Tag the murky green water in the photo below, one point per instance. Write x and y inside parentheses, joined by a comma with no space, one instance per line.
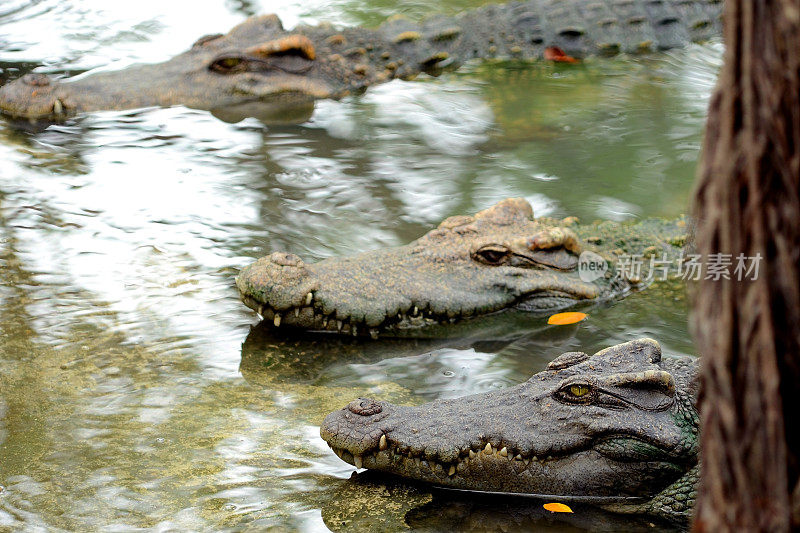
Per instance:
(133,391)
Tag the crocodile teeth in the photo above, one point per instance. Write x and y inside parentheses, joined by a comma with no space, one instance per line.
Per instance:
(452,470)
(339,325)
(534,458)
(358,461)
(416,311)
(382,443)
(261,310)
(503,452)
(58,107)
(325,322)
(296,312)
(309,298)
(373,333)
(277,320)
(518,457)
(488,448)
(472,454)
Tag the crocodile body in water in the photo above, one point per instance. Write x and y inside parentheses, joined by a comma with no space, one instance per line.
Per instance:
(498,259)
(259,62)
(619,428)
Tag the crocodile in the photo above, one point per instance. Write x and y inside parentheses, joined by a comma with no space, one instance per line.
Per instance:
(260,62)
(618,429)
(500,258)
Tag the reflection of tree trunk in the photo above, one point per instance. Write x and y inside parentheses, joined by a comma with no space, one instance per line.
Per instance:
(749,332)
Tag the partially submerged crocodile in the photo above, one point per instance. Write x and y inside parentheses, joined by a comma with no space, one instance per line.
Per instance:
(260,61)
(619,428)
(498,259)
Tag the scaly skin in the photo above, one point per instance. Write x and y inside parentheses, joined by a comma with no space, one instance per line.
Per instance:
(621,424)
(469,266)
(260,62)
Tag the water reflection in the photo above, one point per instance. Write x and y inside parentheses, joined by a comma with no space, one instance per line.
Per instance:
(372,502)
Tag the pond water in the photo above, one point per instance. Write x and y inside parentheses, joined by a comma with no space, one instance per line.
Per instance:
(134,391)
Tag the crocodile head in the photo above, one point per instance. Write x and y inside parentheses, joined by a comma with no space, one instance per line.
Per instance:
(619,424)
(256,61)
(468,266)
(259,68)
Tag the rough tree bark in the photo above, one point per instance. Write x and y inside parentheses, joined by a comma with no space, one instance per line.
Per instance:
(747,201)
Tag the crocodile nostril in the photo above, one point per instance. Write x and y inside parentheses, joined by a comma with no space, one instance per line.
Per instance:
(286,259)
(364,407)
(36,80)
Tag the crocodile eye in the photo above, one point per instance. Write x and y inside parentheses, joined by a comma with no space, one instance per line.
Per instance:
(579,390)
(492,254)
(227,64)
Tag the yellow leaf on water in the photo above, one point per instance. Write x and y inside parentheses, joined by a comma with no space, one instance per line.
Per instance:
(557,508)
(562,319)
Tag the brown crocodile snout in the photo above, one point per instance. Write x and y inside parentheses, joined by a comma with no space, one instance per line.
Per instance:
(281,279)
(34,95)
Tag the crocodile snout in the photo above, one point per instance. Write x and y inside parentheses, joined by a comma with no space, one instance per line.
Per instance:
(35,96)
(277,283)
(358,428)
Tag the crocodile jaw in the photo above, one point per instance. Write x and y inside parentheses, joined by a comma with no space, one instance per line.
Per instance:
(323,297)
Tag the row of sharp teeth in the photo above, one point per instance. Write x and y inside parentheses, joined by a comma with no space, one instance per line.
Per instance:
(449,469)
(414,318)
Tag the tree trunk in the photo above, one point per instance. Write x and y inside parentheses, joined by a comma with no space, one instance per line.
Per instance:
(747,202)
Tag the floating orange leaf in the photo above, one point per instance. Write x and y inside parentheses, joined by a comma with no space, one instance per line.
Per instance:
(563,319)
(557,508)
(554,53)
